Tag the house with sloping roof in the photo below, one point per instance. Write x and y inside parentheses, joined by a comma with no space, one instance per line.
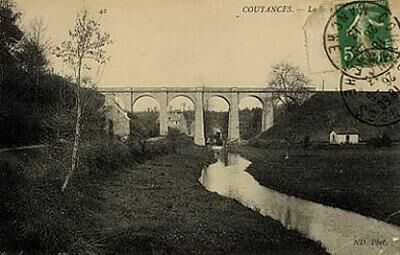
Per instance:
(344,136)
(117,119)
(178,121)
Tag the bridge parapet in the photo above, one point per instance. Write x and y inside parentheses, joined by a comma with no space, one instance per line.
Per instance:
(192,89)
(195,89)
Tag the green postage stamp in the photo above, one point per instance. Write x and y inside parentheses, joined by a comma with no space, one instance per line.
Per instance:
(359,36)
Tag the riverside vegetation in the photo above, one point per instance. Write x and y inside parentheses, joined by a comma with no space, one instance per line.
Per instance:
(363,178)
(122,202)
(356,178)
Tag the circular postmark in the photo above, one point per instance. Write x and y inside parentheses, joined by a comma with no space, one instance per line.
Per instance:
(374,101)
(361,39)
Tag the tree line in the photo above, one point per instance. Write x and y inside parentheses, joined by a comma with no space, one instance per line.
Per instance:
(38,106)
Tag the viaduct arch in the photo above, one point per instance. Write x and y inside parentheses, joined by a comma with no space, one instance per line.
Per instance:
(199,96)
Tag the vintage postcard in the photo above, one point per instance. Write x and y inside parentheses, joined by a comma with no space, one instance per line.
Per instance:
(200,127)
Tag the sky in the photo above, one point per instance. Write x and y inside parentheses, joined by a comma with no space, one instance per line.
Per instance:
(185,42)
(214,43)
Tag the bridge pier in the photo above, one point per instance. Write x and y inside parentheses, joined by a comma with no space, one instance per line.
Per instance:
(199,138)
(267,116)
(233,127)
(163,101)
(125,101)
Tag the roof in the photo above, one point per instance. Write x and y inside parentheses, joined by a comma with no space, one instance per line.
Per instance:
(175,116)
(110,102)
(345,130)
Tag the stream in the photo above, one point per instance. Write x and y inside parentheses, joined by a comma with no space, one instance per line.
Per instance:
(339,231)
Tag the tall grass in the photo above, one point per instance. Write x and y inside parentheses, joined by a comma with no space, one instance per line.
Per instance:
(37,218)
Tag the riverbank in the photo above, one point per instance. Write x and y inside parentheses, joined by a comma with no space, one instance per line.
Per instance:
(122,202)
(359,179)
(160,207)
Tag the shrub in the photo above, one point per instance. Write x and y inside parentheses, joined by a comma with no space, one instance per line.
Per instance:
(36,217)
(11,181)
(268,144)
(104,158)
(157,148)
(383,141)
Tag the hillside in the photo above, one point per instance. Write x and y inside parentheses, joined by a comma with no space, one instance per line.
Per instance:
(316,118)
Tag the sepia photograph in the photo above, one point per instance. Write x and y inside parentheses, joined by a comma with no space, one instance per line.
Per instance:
(203,127)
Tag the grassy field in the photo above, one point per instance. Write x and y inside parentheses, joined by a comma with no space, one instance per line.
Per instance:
(358,178)
(156,206)
(160,207)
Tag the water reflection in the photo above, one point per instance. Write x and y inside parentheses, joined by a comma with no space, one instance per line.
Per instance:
(340,231)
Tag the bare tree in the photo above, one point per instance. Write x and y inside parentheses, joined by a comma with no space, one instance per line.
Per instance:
(86,45)
(33,50)
(291,83)
(292,89)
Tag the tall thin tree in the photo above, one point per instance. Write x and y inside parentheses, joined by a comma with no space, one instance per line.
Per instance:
(86,45)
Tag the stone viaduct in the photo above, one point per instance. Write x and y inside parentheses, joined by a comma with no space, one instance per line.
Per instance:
(199,97)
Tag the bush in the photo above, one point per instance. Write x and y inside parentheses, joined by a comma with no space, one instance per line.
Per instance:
(157,148)
(104,158)
(383,141)
(268,144)
(36,217)
(11,181)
